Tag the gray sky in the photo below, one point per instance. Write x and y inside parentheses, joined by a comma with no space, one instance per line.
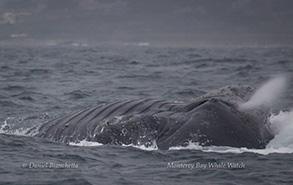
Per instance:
(159,22)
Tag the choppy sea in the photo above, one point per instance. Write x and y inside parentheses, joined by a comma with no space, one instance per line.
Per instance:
(41,83)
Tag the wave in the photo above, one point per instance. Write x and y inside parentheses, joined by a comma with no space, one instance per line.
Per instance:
(77,94)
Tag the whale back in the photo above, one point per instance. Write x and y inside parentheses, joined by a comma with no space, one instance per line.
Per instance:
(234,94)
(211,119)
(85,123)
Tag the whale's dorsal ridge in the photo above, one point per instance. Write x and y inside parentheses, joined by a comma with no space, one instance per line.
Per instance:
(232,94)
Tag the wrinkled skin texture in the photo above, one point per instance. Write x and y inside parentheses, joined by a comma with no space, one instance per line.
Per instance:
(214,119)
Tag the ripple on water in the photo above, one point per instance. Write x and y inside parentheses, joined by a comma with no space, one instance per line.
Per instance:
(77,94)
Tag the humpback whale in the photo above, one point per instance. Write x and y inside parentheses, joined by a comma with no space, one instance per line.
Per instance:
(213,119)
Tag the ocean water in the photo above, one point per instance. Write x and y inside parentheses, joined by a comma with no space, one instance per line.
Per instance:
(41,83)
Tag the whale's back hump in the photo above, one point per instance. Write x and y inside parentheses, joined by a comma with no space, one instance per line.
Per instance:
(83,124)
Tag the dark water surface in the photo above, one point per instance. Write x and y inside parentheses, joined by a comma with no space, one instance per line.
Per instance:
(41,83)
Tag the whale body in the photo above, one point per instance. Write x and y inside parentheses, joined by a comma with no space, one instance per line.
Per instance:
(214,119)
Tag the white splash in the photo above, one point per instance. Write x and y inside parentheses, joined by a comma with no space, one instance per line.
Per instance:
(282,126)
(267,94)
(7,127)
(85,143)
(143,147)
(227,149)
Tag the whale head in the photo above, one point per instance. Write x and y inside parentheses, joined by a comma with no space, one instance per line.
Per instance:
(217,119)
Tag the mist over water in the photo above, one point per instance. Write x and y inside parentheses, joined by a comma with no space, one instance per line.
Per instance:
(268,94)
